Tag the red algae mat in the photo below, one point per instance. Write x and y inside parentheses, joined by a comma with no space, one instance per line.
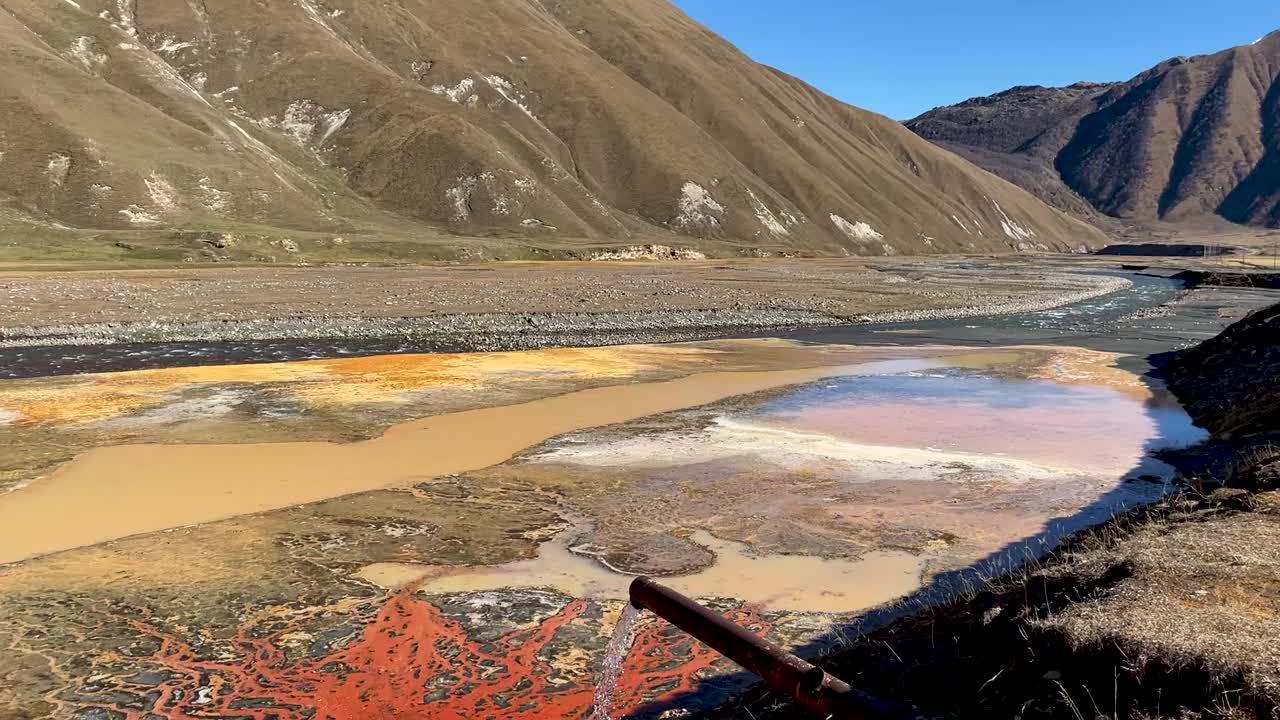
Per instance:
(411,661)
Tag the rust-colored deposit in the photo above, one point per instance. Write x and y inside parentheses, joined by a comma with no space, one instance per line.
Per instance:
(411,661)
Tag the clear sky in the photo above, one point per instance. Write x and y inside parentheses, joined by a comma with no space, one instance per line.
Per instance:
(902,57)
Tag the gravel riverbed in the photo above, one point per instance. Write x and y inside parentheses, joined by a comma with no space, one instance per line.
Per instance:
(515,307)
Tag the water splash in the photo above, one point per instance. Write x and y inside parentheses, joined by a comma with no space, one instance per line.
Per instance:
(615,656)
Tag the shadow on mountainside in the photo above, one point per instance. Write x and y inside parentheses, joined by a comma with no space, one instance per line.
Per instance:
(1241,205)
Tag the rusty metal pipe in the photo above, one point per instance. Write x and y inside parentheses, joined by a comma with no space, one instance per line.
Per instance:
(810,686)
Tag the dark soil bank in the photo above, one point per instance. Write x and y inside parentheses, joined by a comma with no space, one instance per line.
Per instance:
(1231,385)
(1164,250)
(1198,278)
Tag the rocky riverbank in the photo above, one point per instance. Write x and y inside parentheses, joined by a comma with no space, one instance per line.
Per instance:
(519,307)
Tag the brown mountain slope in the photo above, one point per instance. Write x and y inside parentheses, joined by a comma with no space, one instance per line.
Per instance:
(540,127)
(1191,137)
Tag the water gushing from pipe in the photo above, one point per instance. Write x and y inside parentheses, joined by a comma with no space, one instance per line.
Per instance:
(619,648)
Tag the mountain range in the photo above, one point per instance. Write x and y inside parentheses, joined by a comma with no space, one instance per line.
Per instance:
(1192,138)
(464,129)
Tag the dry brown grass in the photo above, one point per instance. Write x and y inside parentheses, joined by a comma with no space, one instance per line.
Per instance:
(1258,469)
(1203,592)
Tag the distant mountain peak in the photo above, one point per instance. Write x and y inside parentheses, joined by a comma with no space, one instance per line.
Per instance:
(1191,137)
(1273,35)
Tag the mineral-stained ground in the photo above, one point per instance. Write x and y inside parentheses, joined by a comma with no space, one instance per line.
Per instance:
(264,617)
(426,599)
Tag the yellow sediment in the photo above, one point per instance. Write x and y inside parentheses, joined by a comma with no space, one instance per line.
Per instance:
(777,582)
(386,378)
(113,492)
(335,382)
(80,399)
(1080,366)
(232,554)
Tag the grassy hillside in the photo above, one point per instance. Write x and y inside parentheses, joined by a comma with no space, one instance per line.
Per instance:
(347,129)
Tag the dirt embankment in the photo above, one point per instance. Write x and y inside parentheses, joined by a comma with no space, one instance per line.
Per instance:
(1229,278)
(1231,384)
(1171,611)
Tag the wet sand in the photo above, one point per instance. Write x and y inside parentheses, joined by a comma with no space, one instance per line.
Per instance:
(114,492)
(796,583)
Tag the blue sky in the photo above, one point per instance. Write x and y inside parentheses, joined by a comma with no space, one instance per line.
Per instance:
(902,57)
